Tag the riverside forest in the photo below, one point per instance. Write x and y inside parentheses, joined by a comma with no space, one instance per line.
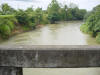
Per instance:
(15,21)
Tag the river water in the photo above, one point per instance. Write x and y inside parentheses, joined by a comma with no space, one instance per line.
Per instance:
(62,33)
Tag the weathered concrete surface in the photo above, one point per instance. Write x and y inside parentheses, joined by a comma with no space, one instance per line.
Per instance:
(49,47)
(50,56)
(10,71)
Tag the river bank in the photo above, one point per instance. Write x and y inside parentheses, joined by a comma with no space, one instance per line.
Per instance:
(63,33)
(20,30)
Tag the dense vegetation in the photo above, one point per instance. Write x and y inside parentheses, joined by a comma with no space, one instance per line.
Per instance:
(92,23)
(12,20)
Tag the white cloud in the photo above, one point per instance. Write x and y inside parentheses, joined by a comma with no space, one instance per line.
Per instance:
(23,4)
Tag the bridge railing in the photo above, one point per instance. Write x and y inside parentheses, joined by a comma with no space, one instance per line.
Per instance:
(14,58)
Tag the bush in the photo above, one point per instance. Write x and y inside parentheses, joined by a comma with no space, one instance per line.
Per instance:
(53,17)
(25,19)
(84,28)
(22,17)
(7,25)
(92,23)
(45,19)
(98,38)
(6,9)
(5,31)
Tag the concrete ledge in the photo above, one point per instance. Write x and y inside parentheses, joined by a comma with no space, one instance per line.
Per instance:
(49,47)
(10,71)
(50,56)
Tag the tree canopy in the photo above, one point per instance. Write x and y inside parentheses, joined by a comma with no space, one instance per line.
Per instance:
(92,23)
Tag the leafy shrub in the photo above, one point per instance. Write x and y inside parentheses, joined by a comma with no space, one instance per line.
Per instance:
(92,23)
(45,19)
(6,9)
(7,25)
(53,17)
(5,31)
(84,28)
(24,19)
(98,38)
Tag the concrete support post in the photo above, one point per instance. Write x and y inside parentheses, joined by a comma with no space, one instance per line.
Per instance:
(10,71)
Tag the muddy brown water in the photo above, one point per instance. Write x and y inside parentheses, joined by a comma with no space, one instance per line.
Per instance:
(63,33)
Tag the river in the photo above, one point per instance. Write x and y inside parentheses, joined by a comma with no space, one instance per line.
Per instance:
(62,33)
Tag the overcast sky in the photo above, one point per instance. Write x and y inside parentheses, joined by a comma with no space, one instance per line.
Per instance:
(23,4)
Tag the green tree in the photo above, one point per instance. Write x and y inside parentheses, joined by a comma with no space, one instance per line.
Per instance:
(29,10)
(38,15)
(63,13)
(7,25)
(69,14)
(25,19)
(92,23)
(53,11)
(6,9)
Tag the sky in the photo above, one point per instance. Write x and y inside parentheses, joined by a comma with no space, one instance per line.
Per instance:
(23,4)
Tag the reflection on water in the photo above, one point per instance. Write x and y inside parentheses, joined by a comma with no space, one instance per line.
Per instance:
(64,71)
(63,33)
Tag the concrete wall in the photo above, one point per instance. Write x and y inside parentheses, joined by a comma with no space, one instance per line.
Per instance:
(43,57)
(10,71)
(14,58)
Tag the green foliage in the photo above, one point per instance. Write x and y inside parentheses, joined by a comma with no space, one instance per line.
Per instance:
(44,19)
(53,17)
(97,26)
(7,24)
(63,13)
(75,13)
(38,15)
(53,11)
(98,38)
(53,7)
(81,14)
(25,28)
(8,17)
(87,15)
(6,9)
(24,19)
(29,10)
(84,28)
(9,20)
(93,23)
(5,31)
